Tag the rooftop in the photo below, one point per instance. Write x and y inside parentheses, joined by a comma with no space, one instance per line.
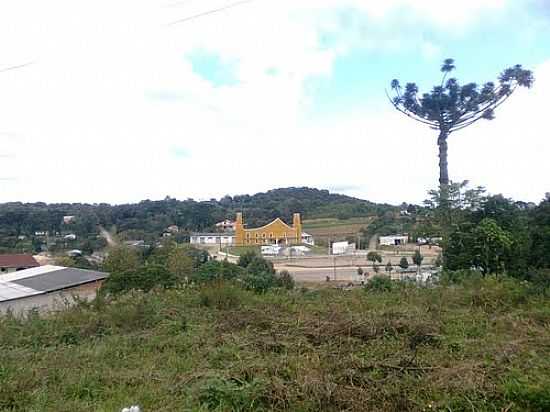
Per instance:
(44,279)
(17,261)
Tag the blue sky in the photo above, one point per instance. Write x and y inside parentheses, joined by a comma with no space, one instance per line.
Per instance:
(267,94)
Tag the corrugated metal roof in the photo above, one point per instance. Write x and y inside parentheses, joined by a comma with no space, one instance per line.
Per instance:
(61,279)
(44,279)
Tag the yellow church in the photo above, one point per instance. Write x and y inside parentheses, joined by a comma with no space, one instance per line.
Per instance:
(274,233)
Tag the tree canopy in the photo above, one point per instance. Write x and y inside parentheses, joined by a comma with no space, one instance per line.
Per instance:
(451,106)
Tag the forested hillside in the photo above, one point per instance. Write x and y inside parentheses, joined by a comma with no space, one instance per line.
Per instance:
(148,219)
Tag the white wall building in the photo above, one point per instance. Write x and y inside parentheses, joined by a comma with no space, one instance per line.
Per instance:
(393,240)
(343,248)
(225,225)
(212,239)
(308,239)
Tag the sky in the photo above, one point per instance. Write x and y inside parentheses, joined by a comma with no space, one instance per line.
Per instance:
(127,100)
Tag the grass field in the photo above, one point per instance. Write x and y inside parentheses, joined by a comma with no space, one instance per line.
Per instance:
(482,346)
(323,229)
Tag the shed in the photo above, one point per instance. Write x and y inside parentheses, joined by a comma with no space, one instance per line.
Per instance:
(45,287)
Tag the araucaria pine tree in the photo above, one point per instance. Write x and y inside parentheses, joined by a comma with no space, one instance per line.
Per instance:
(451,107)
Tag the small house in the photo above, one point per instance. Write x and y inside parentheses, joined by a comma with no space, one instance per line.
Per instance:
(14,263)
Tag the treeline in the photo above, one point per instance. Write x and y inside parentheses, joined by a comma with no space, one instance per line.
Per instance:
(490,234)
(147,220)
(173,265)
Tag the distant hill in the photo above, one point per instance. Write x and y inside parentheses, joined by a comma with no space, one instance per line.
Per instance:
(19,222)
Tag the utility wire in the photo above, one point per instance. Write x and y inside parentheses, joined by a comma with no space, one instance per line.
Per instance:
(209,12)
(20,66)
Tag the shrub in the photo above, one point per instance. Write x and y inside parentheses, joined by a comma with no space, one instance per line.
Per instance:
(540,281)
(260,282)
(527,396)
(246,258)
(259,265)
(380,284)
(144,278)
(121,259)
(459,276)
(221,295)
(285,280)
(215,270)
(233,395)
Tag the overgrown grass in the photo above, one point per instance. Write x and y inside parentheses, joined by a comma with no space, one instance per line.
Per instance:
(482,345)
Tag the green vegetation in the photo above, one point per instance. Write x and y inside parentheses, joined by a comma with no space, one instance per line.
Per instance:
(417,258)
(481,344)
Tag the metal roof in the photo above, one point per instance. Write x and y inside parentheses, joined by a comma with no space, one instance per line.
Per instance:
(44,279)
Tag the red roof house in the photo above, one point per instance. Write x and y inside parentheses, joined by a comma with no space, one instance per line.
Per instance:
(13,263)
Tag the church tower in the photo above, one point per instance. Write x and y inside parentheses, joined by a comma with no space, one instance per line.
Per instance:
(297,225)
(239,230)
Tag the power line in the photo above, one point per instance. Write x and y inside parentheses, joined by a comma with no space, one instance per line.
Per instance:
(209,12)
(20,66)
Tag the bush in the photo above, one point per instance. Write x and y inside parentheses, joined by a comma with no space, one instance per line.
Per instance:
(144,278)
(540,281)
(459,276)
(285,280)
(258,265)
(221,295)
(260,282)
(380,284)
(215,270)
(221,394)
(527,396)
(121,259)
(246,258)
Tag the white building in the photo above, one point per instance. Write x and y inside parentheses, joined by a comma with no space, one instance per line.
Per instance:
(308,239)
(393,240)
(225,225)
(212,239)
(343,248)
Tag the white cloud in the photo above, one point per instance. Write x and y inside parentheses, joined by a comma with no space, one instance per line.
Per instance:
(112,99)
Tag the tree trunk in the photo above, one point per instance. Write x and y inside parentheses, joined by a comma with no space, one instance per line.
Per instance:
(445,207)
(443,168)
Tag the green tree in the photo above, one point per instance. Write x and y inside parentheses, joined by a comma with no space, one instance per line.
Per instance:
(121,259)
(450,107)
(492,243)
(374,257)
(360,271)
(403,263)
(179,263)
(417,258)
(247,257)
(539,228)
(143,278)
(389,267)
